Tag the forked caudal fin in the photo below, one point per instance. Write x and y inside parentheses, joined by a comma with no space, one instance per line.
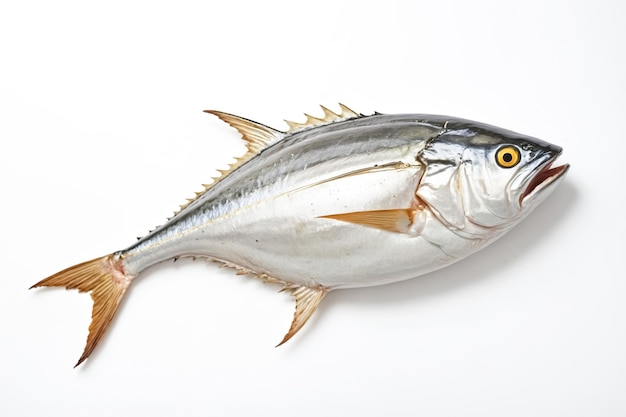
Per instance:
(104,278)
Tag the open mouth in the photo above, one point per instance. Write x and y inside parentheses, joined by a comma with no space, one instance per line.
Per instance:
(542,179)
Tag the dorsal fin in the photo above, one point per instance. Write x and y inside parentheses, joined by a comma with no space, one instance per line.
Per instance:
(328,118)
(257,135)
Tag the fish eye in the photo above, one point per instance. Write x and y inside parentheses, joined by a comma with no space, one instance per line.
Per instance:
(507,156)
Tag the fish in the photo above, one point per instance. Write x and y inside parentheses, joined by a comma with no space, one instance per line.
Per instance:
(344,200)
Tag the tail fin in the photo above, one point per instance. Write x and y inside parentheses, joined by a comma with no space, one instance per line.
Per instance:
(105,279)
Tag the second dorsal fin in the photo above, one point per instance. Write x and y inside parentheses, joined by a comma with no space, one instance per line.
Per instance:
(257,135)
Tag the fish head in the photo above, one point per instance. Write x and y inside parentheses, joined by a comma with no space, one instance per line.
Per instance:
(479,177)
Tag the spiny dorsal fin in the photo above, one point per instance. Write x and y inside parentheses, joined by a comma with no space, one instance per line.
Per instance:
(259,136)
(329,117)
(307,300)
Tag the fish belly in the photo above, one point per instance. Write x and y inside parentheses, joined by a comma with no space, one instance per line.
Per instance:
(284,237)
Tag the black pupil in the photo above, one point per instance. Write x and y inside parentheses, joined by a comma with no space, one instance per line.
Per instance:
(507,157)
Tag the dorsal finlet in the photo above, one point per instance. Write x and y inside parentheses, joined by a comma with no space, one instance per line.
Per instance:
(329,117)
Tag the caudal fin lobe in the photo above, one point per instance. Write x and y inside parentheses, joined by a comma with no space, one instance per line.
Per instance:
(104,278)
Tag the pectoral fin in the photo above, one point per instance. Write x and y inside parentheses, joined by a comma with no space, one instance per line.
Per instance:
(307,300)
(409,220)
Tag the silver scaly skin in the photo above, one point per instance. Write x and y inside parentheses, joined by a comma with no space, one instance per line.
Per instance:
(341,201)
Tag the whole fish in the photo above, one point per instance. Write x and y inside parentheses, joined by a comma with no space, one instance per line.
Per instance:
(344,200)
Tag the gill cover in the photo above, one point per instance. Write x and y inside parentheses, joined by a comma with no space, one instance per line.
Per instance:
(477,175)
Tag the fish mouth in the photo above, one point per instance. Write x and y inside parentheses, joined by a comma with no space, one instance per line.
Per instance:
(545,176)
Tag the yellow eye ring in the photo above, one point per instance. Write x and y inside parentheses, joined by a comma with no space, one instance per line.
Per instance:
(507,156)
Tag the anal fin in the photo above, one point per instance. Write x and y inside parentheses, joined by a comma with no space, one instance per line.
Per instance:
(307,300)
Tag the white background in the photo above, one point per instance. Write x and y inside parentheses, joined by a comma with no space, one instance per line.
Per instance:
(103,136)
